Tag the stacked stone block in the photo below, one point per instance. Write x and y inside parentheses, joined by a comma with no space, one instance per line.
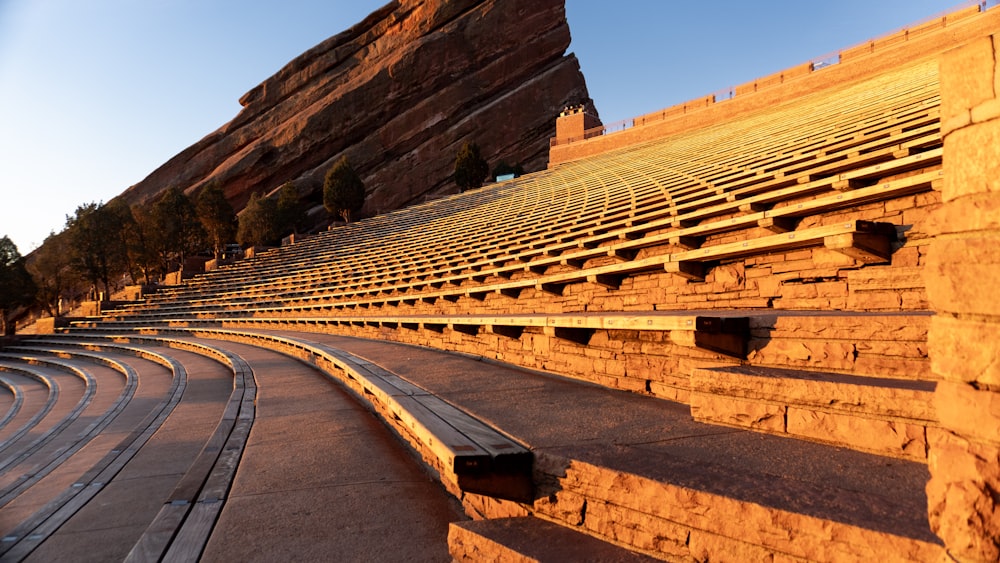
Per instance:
(962,276)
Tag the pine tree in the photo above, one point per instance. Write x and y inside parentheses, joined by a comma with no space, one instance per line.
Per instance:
(257,222)
(49,267)
(217,217)
(95,244)
(343,190)
(471,169)
(291,212)
(177,231)
(16,286)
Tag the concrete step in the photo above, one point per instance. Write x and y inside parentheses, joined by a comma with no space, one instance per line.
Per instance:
(530,540)
(883,416)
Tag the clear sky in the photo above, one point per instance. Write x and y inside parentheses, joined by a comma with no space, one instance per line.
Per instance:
(95,94)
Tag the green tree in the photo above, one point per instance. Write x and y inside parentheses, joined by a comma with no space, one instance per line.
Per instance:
(291,212)
(343,190)
(16,286)
(503,168)
(257,222)
(96,253)
(142,249)
(49,267)
(176,230)
(123,227)
(471,168)
(217,217)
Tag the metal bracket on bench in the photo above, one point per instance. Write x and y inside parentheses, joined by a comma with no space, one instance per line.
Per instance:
(553,288)
(610,281)
(471,330)
(778,224)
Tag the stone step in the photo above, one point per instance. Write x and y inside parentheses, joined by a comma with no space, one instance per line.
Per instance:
(883,416)
(531,540)
(691,508)
(882,345)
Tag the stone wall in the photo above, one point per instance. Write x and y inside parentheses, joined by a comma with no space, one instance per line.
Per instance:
(962,276)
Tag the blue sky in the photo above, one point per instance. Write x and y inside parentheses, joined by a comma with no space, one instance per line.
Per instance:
(95,95)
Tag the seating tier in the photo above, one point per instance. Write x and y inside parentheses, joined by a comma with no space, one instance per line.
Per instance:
(761,186)
(761,277)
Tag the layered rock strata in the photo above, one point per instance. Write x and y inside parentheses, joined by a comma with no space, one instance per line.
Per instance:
(398,94)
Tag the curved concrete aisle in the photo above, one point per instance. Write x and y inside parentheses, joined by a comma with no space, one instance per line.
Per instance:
(36,398)
(80,403)
(322,479)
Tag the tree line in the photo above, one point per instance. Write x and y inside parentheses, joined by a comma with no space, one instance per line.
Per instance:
(106,245)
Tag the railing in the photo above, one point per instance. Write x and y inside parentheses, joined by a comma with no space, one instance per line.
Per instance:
(817,63)
(826,60)
(724,94)
(610,128)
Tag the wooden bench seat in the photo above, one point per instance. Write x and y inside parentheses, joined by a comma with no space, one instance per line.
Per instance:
(900,165)
(508,243)
(719,331)
(860,195)
(478,267)
(860,240)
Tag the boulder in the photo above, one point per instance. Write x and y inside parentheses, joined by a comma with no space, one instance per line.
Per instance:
(398,93)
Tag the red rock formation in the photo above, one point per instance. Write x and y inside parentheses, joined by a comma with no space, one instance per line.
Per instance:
(398,93)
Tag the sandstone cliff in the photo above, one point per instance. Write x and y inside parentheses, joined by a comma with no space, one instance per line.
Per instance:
(398,93)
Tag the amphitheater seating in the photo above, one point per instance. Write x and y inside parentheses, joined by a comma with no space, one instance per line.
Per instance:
(70,450)
(753,284)
(567,216)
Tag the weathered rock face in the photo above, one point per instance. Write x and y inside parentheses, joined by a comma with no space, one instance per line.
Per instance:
(398,94)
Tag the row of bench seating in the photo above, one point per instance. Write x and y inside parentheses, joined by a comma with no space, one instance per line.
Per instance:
(62,433)
(529,261)
(628,225)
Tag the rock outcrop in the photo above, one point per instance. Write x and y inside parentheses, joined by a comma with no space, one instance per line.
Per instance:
(398,94)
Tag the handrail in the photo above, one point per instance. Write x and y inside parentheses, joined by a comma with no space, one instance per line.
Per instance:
(814,64)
